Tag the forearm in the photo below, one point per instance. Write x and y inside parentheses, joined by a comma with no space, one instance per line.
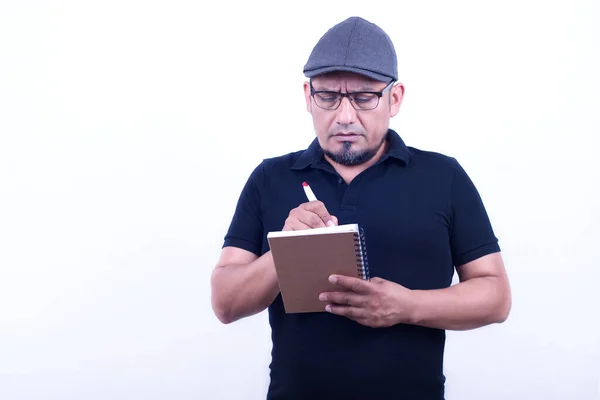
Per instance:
(466,305)
(240,290)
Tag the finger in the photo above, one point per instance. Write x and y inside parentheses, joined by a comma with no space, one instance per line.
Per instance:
(356,314)
(318,208)
(343,298)
(301,218)
(354,284)
(335,220)
(311,219)
(293,224)
(378,280)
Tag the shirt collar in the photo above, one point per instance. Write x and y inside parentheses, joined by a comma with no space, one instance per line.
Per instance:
(313,155)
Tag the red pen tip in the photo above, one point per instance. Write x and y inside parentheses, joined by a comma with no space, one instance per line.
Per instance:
(304,184)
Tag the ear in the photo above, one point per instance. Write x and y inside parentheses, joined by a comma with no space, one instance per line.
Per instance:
(307,97)
(396,94)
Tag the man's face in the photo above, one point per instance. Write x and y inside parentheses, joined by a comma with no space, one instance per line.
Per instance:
(347,135)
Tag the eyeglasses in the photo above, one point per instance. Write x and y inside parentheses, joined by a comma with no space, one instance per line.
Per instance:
(363,101)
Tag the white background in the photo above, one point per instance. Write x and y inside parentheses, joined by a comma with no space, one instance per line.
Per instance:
(128,128)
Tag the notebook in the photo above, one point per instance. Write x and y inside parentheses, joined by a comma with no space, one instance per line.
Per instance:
(304,259)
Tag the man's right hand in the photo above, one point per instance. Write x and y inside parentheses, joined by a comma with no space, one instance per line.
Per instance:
(309,215)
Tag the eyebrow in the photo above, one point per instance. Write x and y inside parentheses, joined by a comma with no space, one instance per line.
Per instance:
(363,88)
(367,87)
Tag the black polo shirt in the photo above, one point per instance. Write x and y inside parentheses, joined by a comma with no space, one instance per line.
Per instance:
(421,215)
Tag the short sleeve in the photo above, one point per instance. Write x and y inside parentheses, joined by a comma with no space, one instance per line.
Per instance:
(246,228)
(472,235)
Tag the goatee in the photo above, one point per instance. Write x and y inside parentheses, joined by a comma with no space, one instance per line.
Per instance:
(349,157)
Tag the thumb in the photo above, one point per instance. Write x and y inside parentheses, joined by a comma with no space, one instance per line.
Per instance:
(334,219)
(378,280)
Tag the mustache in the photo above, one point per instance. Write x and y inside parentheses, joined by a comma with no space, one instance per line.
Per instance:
(346,129)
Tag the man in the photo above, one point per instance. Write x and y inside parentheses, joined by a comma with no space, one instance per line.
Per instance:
(423,217)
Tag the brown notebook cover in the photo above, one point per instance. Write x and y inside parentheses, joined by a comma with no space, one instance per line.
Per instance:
(305,259)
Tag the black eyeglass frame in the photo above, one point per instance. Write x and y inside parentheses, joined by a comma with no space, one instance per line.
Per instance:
(349,95)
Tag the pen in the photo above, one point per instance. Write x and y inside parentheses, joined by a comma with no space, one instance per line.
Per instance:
(311,197)
(309,193)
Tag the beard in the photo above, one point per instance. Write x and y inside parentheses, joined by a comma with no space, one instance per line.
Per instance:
(349,157)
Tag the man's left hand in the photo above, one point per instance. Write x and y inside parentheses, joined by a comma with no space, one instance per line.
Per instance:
(376,303)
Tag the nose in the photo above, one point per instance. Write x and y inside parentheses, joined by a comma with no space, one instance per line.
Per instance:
(346,114)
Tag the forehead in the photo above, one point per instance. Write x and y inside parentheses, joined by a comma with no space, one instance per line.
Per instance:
(336,80)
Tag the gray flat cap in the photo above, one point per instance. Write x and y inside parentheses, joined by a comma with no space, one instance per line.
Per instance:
(354,45)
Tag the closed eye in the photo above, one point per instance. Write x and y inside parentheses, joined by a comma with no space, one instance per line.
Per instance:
(328,96)
(363,97)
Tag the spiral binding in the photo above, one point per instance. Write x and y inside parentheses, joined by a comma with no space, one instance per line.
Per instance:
(360,248)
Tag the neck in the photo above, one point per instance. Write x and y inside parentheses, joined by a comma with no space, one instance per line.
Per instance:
(349,172)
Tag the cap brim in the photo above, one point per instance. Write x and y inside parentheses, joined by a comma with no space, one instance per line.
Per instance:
(343,68)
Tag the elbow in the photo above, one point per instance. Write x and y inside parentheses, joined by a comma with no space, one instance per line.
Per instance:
(503,301)
(222,310)
(220,307)
(230,311)
(503,309)
(222,315)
